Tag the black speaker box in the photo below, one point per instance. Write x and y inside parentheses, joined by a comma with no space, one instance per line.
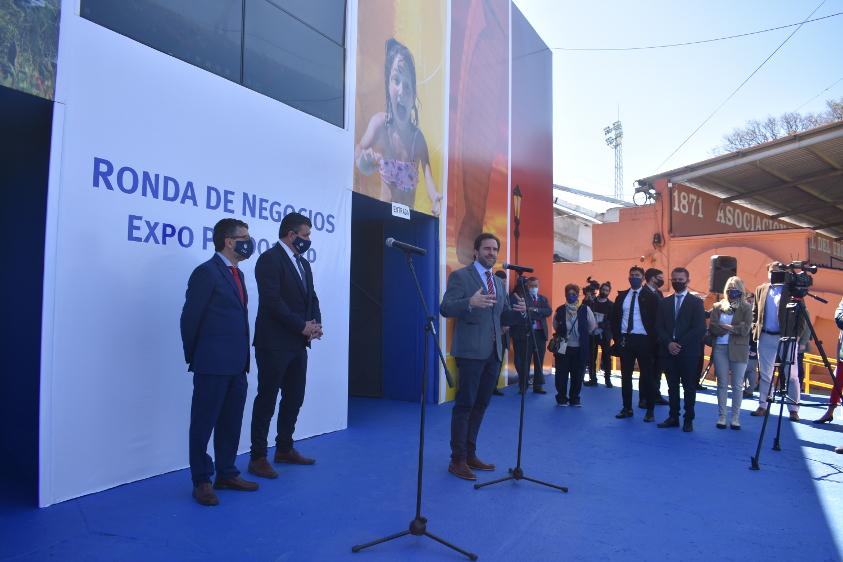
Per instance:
(722,267)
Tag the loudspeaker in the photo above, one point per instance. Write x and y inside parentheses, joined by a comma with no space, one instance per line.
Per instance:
(722,267)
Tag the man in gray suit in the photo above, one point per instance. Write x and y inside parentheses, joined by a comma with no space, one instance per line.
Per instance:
(478,301)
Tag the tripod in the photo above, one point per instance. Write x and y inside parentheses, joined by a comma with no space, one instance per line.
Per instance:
(517,473)
(786,351)
(418,526)
(705,374)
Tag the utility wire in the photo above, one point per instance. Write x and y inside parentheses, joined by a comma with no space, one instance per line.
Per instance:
(736,90)
(696,42)
(668,45)
(819,94)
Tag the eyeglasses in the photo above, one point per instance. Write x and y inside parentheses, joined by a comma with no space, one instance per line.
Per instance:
(244,237)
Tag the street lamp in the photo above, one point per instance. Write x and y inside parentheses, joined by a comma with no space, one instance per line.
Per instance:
(516,209)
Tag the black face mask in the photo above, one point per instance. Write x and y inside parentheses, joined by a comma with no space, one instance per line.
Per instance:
(301,245)
(679,286)
(245,248)
(659,283)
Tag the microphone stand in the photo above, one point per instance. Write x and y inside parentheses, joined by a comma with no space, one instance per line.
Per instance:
(517,473)
(418,526)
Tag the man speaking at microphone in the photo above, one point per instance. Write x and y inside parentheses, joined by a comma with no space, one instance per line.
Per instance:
(477,300)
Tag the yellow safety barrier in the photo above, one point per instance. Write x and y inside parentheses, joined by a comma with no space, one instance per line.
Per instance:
(810,361)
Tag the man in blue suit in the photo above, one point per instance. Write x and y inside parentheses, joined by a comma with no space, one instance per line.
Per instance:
(215,336)
(477,300)
(288,319)
(681,326)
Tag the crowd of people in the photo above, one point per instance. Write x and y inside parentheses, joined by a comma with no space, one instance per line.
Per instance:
(667,336)
(660,334)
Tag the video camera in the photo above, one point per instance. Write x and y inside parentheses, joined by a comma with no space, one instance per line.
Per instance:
(796,275)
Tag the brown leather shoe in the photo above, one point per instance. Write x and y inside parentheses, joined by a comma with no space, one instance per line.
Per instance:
(292,457)
(205,495)
(477,464)
(760,412)
(261,467)
(461,470)
(235,483)
(794,416)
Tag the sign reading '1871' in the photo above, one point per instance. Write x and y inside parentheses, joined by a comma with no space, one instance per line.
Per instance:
(694,212)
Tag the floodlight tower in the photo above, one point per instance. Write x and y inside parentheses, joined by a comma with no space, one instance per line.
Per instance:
(614,139)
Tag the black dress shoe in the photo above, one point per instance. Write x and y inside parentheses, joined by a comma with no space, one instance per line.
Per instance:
(590,382)
(669,422)
(688,426)
(660,401)
(497,392)
(539,390)
(624,414)
(609,383)
(649,417)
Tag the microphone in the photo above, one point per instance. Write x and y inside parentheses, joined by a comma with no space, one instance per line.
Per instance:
(409,248)
(518,268)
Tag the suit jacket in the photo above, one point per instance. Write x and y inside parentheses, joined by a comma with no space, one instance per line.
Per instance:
(285,303)
(474,337)
(689,324)
(648,305)
(214,322)
(741,325)
(759,312)
(541,314)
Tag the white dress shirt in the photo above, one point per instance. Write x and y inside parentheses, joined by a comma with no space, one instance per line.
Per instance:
(637,323)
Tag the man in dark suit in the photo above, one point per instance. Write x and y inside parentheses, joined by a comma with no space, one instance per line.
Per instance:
(634,334)
(477,300)
(288,320)
(654,280)
(681,327)
(215,336)
(526,356)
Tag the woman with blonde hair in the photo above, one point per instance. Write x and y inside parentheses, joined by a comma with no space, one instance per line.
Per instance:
(730,325)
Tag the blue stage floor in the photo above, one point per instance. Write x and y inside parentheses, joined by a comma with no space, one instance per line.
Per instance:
(636,493)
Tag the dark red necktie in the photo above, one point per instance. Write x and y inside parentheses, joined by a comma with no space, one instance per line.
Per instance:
(490,285)
(239,285)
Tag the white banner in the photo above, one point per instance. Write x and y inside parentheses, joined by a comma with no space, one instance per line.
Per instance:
(150,154)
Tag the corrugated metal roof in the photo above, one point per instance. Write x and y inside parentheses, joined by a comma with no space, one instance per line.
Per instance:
(798,178)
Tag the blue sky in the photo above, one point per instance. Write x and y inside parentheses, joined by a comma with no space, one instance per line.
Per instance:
(664,94)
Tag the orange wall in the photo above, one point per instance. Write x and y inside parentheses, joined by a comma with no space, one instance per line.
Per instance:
(619,246)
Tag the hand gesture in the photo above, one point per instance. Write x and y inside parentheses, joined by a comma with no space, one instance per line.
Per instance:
(369,160)
(727,327)
(520,305)
(481,300)
(317,333)
(674,348)
(309,328)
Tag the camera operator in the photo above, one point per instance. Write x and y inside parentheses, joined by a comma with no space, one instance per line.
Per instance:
(602,337)
(768,317)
